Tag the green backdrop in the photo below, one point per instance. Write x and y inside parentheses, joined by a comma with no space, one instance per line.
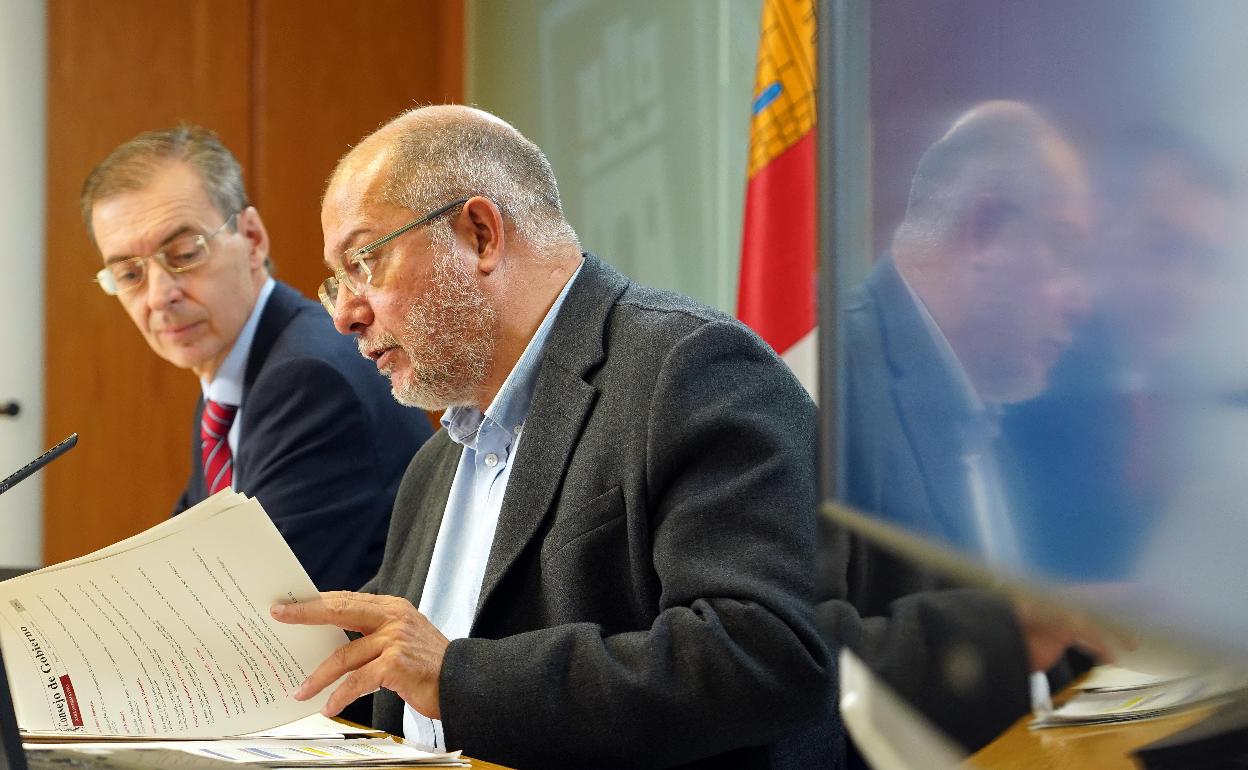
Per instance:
(643,109)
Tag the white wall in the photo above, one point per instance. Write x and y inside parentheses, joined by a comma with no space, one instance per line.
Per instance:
(23,82)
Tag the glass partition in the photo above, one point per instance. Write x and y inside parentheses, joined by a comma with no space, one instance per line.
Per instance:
(1039,360)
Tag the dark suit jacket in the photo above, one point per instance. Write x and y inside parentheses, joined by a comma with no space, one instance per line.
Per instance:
(1103,461)
(322,445)
(906,416)
(903,461)
(647,596)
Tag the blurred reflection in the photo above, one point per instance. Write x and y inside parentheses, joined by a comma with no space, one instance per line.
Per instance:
(983,290)
(1099,448)
(1047,367)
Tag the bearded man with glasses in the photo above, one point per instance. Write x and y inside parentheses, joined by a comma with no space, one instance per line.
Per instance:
(290,413)
(610,563)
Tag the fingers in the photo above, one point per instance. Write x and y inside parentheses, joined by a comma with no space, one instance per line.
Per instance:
(346,658)
(344,609)
(1096,647)
(1104,642)
(1049,630)
(400,650)
(362,681)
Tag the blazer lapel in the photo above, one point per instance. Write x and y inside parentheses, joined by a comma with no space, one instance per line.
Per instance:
(562,400)
(929,403)
(435,490)
(282,306)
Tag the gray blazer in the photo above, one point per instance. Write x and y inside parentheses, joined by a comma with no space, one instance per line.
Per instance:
(647,597)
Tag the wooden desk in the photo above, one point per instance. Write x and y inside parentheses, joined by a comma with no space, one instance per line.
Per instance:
(1103,747)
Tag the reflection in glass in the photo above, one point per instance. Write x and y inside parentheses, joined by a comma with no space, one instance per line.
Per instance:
(1045,366)
(982,291)
(1099,446)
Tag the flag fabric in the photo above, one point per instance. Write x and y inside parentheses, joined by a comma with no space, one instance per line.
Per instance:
(776,294)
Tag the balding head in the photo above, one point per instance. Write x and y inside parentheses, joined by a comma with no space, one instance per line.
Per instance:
(457,218)
(429,156)
(999,150)
(993,243)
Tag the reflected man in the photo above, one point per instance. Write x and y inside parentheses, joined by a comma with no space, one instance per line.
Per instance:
(981,293)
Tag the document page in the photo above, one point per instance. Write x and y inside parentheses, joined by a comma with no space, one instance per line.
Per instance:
(313,728)
(170,636)
(223,500)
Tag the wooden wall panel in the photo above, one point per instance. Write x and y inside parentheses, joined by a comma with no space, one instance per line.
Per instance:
(115,70)
(326,76)
(288,85)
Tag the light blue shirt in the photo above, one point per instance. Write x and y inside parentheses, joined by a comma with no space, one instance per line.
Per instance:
(490,442)
(226,386)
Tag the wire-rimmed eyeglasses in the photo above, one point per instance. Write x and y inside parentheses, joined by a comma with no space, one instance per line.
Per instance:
(183,253)
(354,271)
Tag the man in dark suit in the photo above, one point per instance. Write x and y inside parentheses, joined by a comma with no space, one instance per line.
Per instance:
(609,564)
(290,413)
(980,295)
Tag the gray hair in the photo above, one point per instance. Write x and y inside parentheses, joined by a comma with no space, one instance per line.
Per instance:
(131,166)
(442,154)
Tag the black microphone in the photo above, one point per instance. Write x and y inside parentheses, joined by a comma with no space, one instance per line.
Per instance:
(39,462)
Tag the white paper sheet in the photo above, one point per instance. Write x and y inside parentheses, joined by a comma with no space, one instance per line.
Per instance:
(1144,702)
(166,634)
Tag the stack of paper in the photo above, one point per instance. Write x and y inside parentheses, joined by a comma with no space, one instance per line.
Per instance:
(166,633)
(311,741)
(165,639)
(276,752)
(1119,695)
(315,727)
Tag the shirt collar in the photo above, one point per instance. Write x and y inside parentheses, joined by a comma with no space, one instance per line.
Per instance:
(226,386)
(510,406)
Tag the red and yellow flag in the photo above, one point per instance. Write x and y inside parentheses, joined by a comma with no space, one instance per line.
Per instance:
(776,295)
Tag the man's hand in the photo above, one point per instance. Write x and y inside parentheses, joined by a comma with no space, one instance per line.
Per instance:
(400,650)
(1049,630)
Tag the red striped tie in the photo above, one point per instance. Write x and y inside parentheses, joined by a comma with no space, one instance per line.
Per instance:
(214,430)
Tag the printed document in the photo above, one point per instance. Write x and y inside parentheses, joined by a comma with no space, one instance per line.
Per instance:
(166,633)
